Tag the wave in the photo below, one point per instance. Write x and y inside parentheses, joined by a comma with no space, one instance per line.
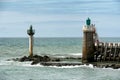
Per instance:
(110,68)
(28,64)
(77,66)
(74,55)
(16,63)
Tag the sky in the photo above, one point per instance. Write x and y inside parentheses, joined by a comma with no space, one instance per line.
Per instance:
(58,18)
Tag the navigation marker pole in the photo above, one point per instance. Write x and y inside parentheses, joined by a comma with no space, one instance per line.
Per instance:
(30,32)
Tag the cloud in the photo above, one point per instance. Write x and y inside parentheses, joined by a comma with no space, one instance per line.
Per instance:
(54,16)
(16,17)
(9,0)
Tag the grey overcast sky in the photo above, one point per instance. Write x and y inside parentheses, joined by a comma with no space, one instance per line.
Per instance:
(58,18)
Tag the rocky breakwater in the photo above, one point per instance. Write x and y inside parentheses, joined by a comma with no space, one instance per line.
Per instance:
(66,61)
(50,60)
(36,59)
(114,65)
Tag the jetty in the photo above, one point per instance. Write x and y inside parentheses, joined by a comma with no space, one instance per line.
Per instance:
(95,52)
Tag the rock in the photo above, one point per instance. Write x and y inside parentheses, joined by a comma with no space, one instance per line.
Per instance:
(59,64)
(23,59)
(37,59)
(46,58)
(15,59)
(35,62)
(56,60)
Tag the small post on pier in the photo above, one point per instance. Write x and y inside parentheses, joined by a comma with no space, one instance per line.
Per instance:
(88,48)
(30,32)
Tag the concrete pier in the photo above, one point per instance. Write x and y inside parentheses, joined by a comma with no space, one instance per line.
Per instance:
(30,32)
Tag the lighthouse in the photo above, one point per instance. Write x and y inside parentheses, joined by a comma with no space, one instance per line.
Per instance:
(88,48)
(30,32)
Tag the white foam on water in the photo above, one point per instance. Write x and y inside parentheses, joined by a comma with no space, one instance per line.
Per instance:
(16,63)
(111,68)
(10,63)
(76,54)
(89,66)
(65,66)
(67,55)
(28,64)
(6,62)
(76,66)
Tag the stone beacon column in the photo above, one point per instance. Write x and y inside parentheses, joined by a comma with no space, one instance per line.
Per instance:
(30,32)
(88,42)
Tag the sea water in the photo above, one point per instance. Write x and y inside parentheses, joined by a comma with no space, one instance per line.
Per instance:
(18,47)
